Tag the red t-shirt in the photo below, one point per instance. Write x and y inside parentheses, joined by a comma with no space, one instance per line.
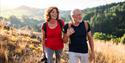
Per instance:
(54,37)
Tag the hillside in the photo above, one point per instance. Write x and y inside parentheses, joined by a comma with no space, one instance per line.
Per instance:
(22,11)
(35,13)
(109,19)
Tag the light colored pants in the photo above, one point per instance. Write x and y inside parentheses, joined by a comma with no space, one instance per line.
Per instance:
(49,54)
(73,57)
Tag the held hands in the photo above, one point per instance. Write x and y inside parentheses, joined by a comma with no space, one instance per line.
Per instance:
(43,43)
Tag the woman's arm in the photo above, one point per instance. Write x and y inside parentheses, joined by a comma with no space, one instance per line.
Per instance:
(43,37)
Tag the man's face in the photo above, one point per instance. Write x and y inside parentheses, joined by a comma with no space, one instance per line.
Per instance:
(77,16)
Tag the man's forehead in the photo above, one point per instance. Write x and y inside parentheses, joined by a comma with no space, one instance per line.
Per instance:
(77,11)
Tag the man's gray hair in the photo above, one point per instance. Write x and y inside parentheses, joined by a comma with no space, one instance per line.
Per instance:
(73,11)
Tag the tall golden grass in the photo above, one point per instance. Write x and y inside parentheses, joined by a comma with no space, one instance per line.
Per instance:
(18,48)
(107,52)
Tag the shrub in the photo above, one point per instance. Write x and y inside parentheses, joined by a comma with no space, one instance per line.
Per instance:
(98,35)
(116,40)
(123,39)
(103,36)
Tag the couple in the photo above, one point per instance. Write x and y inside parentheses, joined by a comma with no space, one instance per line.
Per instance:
(76,31)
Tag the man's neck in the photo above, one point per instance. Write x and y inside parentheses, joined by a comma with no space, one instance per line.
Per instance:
(76,23)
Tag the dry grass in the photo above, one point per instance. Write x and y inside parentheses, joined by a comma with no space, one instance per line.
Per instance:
(107,52)
(18,48)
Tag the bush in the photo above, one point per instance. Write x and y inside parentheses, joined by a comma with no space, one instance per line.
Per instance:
(103,36)
(123,39)
(99,36)
(116,40)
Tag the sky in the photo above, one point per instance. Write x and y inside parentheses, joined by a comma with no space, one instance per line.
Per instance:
(61,4)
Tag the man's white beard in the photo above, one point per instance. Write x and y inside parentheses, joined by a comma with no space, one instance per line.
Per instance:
(81,20)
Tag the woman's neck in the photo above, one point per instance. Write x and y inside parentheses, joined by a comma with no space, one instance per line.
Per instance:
(52,21)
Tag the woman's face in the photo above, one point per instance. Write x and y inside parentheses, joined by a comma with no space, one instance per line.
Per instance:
(53,14)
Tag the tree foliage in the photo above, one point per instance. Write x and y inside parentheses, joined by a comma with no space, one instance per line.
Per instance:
(109,19)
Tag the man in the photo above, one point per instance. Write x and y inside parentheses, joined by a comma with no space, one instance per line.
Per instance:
(77,31)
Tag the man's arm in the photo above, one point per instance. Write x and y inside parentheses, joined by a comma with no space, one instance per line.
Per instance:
(91,43)
(66,35)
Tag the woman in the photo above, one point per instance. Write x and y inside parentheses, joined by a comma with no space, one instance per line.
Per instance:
(52,36)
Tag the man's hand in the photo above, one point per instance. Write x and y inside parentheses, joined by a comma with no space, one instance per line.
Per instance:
(70,31)
(92,57)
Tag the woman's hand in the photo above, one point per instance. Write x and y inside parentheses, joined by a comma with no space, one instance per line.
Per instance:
(43,42)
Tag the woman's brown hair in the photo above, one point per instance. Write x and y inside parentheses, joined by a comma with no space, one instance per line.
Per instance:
(48,11)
